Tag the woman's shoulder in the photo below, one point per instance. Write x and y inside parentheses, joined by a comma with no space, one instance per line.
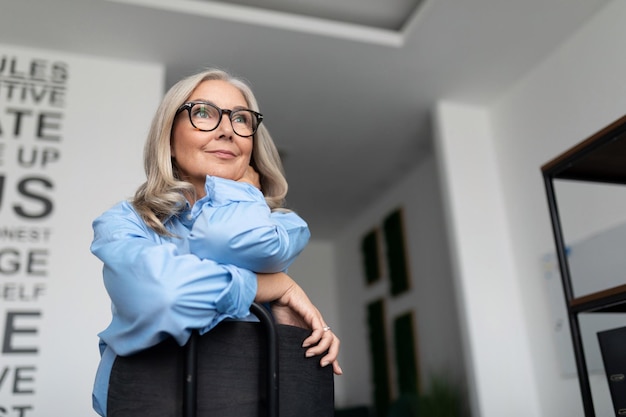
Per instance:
(120,214)
(122,208)
(119,224)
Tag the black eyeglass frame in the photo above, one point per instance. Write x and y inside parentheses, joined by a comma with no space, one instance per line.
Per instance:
(189,105)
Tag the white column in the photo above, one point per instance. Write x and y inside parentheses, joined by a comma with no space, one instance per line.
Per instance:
(500,376)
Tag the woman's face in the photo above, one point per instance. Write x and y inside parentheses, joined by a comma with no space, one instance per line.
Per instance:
(220,152)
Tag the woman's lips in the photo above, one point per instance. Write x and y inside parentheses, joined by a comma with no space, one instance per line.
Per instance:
(221,153)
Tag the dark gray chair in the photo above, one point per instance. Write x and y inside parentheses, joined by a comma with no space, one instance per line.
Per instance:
(238,369)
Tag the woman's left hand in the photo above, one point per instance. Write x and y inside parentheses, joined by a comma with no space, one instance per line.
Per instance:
(322,339)
(291,306)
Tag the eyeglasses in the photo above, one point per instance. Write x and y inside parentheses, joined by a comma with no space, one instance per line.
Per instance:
(206,117)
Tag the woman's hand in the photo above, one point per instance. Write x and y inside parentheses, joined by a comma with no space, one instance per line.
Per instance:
(290,305)
(251,177)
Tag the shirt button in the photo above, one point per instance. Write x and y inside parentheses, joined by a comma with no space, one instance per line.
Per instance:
(189,217)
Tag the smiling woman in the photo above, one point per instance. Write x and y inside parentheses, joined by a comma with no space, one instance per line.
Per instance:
(202,145)
(203,238)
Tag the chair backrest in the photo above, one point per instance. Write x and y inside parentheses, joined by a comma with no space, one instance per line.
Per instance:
(232,371)
(191,365)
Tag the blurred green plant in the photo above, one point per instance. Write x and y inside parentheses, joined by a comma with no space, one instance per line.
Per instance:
(442,399)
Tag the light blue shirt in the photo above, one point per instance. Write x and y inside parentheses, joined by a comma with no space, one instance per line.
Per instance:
(163,286)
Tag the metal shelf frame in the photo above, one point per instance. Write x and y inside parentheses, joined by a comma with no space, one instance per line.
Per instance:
(600,158)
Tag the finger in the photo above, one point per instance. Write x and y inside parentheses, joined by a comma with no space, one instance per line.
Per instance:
(331,355)
(317,334)
(337,369)
(324,344)
(314,339)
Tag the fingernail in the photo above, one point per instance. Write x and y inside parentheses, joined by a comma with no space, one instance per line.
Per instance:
(309,354)
(325,363)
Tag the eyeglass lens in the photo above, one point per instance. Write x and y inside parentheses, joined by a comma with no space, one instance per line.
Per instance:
(205,116)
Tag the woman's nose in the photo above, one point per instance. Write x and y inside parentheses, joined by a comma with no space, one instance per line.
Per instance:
(225,127)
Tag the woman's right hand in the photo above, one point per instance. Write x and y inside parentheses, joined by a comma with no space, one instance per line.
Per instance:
(251,177)
(291,306)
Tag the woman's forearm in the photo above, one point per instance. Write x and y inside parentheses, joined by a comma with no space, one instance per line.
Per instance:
(272,287)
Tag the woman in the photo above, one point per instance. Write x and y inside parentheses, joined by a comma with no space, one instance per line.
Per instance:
(206,234)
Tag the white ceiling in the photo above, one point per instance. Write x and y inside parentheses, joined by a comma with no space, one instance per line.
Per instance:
(383,14)
(346,94)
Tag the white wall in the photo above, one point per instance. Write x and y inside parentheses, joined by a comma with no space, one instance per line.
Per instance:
(431,296)
(97,145)
(578,90)
(314,271)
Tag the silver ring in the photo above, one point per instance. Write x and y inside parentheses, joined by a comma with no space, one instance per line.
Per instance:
(326,328)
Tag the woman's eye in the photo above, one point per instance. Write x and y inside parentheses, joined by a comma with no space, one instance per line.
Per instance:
(241,118)
(203,112)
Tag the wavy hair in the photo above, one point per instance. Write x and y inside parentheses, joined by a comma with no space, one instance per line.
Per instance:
(163,193)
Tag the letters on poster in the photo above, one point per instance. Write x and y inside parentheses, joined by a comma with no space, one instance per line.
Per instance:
(32,110)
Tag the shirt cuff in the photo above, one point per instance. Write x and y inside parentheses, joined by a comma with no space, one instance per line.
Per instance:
(236,299)
(221,191)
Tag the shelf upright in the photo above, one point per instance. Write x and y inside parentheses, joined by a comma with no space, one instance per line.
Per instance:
(602,159)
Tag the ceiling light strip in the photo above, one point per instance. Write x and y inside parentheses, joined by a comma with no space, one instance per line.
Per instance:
(280,20)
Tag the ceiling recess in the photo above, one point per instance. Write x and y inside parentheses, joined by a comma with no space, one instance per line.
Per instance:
(382,22)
